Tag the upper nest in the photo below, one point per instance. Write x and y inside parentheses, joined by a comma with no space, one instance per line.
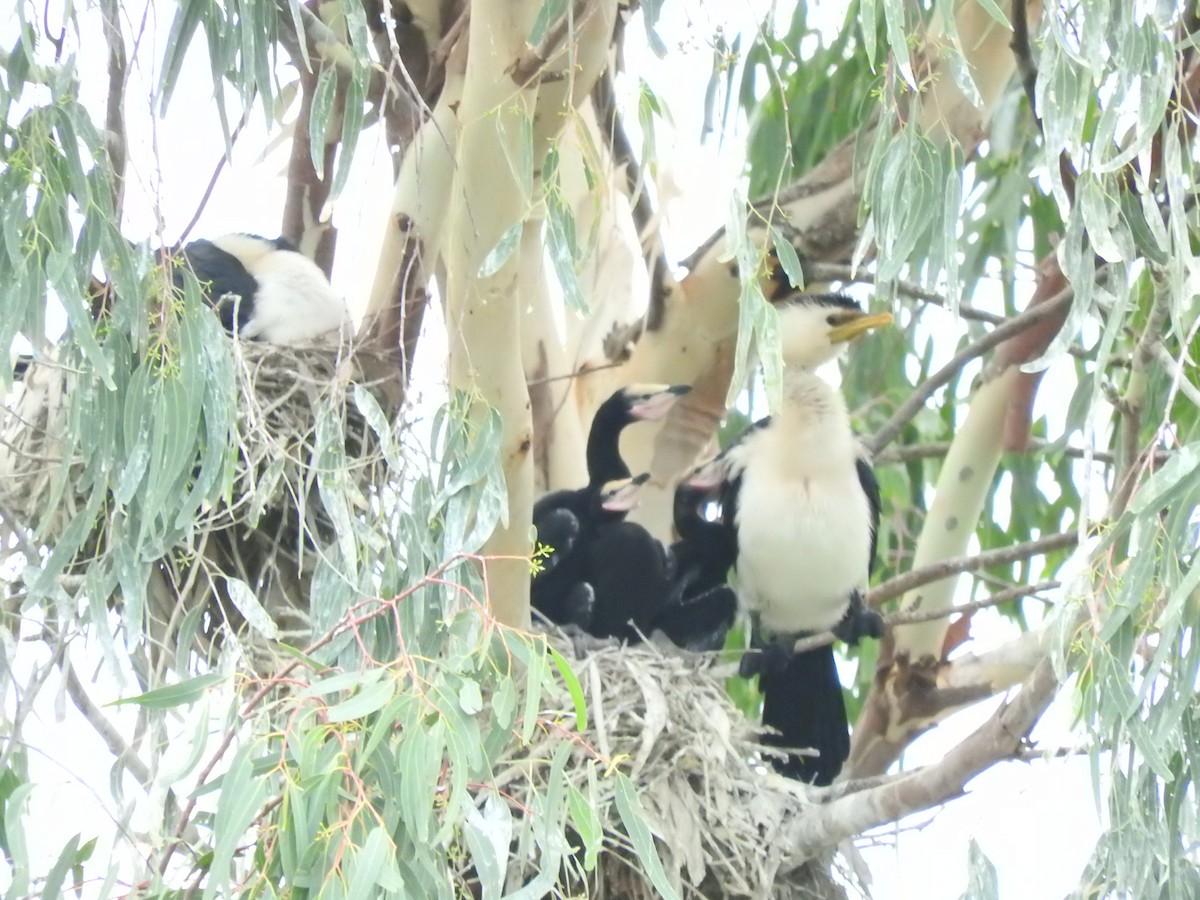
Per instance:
(286,401)
(279,392)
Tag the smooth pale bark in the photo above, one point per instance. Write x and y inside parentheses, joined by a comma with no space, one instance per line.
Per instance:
(483,316)
(695,346)
(962,487)
(422,191)
(559,449)
(566,345)
(508,87)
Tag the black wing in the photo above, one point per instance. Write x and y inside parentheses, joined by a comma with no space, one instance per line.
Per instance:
(557,531)
(733,484)
(224,280)
(870,486)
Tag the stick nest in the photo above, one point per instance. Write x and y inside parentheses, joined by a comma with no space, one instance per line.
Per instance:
(272,520)
(722,819)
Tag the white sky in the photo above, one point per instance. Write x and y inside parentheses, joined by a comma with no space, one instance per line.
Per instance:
(1037,822)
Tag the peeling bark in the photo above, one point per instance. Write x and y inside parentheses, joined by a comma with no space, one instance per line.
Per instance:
(912,655)
(411,237)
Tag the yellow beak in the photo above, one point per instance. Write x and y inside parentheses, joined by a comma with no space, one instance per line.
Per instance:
(856,325)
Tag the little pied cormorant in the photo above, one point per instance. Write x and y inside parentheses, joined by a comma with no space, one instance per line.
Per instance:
(566,519)
(801,501)
(700,607)
(562,590)
(265,289)
(636,586)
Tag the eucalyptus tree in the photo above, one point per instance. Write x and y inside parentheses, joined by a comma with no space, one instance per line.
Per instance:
(311,596)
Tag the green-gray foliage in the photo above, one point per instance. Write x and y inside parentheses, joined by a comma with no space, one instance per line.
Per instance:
(1124,225)
(370,767)
(370,770)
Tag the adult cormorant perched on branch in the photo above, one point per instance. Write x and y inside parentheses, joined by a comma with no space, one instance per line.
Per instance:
(803,505)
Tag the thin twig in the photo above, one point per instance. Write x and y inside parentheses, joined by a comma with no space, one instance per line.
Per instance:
(582,373)
(823,271)
(915,403)
(441,53)
(913,616)
(1178,373)
(903,453)
(352,620)
(28,695)
(604,102)
(216,173)
(902,584)
(533,60)
(100,723)
(826,271)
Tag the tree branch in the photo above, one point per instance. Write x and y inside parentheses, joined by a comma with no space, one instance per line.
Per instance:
(216,174)
(916,402)
(1132,403)
(911,616)
(901,584)
(115,142)
(534,59)
(107,731)
(608,116)
(1001,737)
(903,453)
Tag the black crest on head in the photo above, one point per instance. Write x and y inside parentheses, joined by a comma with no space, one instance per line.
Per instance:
(828,301)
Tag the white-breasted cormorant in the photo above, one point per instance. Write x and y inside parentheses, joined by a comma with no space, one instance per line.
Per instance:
(802,505)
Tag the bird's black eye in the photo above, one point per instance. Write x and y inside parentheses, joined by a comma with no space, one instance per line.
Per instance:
(831,320)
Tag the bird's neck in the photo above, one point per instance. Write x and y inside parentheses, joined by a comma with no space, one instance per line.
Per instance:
(810,400)
(811,431)
(604,461)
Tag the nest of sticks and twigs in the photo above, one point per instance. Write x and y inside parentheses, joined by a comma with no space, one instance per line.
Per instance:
(266,530)
(722,819)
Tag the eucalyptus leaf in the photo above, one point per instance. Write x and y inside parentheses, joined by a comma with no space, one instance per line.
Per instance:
(502,252)
(180,694)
